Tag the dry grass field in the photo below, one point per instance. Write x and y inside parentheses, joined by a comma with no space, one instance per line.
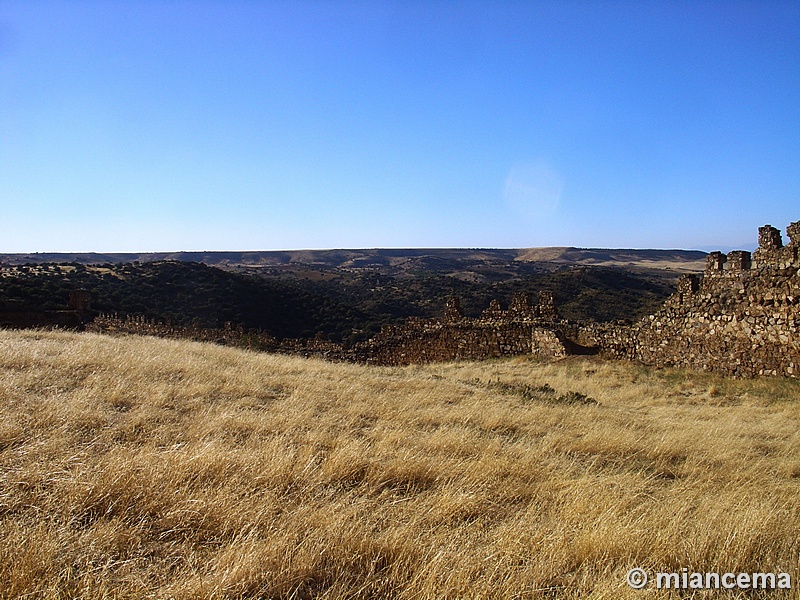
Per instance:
(148,468)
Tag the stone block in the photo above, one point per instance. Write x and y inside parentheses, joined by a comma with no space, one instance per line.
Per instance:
(769,238)
(521,303)
(688,284)
(547,306)
(453,310)
(739,260)
(793,231)
(715,262)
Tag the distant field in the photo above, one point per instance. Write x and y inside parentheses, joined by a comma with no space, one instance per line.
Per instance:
(682,261)
(149,468)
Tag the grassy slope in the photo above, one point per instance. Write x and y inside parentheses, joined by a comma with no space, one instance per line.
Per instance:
(136,467)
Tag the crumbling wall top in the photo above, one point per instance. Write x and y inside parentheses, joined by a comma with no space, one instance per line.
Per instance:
(769,238)
(739,260)
(688,284)
(793,231)
(771,252)
(494,311)
(453,310)
(520,303)
(547,306)
(715,261)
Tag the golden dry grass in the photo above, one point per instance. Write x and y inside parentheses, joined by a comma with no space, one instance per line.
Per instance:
(148,468)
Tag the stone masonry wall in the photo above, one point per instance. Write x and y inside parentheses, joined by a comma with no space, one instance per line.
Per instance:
(525,328)
(740,319)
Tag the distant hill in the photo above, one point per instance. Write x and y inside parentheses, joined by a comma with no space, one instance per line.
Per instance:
(396,260)
(689,261)
(347,295)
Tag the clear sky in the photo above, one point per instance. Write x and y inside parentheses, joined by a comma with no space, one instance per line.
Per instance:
(202,125)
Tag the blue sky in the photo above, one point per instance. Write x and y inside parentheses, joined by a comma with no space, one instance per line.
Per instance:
(164,126)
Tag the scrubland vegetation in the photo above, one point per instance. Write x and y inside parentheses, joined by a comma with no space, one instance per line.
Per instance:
(346,305)
(151,468)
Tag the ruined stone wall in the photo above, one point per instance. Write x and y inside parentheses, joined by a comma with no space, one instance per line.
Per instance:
(469,339)
(740,319)
(610,340)
(525,328)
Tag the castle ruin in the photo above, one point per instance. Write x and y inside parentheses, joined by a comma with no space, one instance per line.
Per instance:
(740,318)
(525,328)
